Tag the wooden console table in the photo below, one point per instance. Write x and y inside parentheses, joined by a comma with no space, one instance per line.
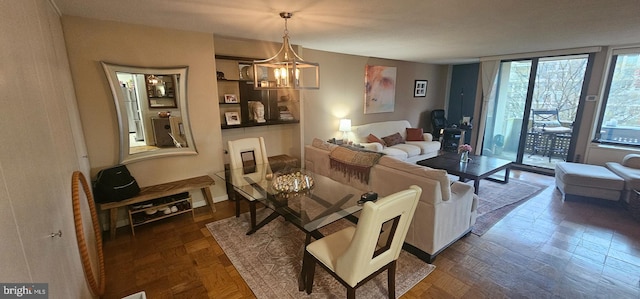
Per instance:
(158,191)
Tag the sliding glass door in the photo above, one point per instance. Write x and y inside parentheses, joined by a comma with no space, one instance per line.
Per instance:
(531,119)
(506,110)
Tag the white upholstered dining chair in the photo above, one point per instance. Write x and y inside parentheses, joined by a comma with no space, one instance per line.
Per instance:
(246,153)
(239,148)
(356,254)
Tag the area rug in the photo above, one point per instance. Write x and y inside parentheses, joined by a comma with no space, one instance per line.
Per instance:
(270,261)
(497,200)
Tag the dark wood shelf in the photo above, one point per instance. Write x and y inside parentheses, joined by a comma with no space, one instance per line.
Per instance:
(155,97)
(137,216)
(243,88)
(232,80)
(240,59)
(267,123)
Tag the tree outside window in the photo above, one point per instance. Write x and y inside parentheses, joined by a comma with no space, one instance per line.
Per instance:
(620,117)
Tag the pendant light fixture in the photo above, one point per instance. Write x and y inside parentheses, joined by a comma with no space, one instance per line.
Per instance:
(152,79)
(285,70)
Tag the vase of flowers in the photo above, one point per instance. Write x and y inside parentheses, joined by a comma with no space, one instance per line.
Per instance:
(464,150)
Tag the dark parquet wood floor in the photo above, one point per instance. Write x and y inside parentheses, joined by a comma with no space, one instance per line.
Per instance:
(546,248)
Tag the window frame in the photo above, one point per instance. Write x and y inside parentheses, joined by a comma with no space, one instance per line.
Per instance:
(605,98)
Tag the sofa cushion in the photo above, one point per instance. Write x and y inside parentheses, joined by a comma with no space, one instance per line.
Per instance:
(395,153)
(373,146)
(393,139)
(415,134)
(557,130)
(373,138)
(410,149)
(595,176)
(323,144)
(380,129)
(360,134)
(439,175)
(630,175)
(426,146)
(631,160)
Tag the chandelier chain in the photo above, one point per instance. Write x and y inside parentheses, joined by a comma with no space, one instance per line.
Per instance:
(286,29)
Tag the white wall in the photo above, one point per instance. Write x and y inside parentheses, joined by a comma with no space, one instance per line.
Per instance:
(90,41)
(42,145)
(599,154)
(341,93)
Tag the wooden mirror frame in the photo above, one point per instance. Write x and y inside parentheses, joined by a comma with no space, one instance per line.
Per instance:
(96,287)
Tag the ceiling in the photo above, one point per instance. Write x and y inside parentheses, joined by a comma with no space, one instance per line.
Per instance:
(430,31)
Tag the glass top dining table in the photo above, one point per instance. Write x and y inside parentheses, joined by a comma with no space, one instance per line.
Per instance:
(325,202)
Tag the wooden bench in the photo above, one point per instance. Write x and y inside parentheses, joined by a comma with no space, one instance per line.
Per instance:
(159,191)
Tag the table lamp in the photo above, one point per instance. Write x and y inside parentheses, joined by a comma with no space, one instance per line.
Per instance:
(345,128)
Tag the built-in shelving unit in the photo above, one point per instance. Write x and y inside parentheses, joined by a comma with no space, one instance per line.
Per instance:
(234,78)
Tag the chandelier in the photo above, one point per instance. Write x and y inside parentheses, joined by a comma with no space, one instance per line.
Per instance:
(285,70)
(152,79)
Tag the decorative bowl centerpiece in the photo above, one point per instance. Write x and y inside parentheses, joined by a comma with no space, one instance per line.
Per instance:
(292,182)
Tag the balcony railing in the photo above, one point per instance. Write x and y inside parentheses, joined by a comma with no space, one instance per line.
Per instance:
(620,134)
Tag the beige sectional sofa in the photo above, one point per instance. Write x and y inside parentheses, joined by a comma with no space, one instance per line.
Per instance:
(614,181)
(576,180)
(410,151)
(446,210)
(629,171)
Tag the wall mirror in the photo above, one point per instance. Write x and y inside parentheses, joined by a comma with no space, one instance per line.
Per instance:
(151,105)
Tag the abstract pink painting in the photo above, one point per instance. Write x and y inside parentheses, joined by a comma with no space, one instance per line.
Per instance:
(380,89)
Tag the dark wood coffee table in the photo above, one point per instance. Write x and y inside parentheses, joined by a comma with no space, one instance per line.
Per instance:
(478,168)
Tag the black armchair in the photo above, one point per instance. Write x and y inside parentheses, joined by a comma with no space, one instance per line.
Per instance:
(438,122)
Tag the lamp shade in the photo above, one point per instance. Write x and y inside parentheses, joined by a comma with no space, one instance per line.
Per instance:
(345,125)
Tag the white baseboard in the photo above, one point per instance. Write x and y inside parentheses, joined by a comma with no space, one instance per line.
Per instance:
(220,198)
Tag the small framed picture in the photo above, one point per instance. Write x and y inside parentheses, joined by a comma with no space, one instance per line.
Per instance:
(233,118)
(420,89)
(230,98)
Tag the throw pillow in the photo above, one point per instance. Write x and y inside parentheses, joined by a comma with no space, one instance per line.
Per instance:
(392,140)
(415,134)
(373,138)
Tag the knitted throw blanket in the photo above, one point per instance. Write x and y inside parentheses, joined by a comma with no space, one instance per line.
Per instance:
(353,163)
